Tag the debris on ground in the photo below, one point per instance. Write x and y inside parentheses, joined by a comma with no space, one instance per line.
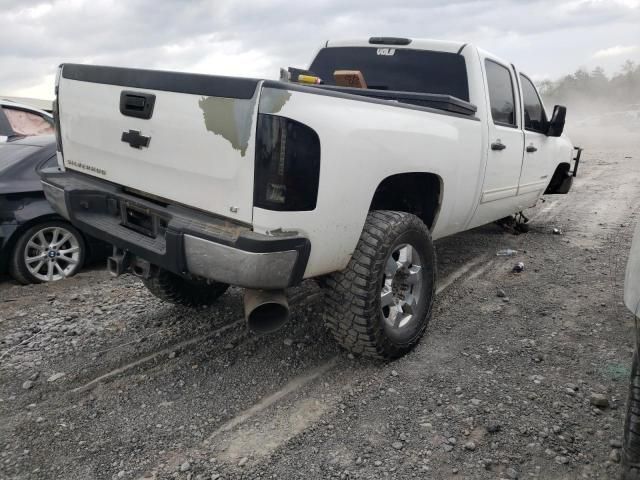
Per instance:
(599,400)
(55,376)
(518,267)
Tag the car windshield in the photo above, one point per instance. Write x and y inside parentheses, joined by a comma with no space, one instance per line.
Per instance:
(12,154)
(398,69)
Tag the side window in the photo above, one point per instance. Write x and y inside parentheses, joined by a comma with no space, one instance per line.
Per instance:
(534,116)
(501,94)
(27,123)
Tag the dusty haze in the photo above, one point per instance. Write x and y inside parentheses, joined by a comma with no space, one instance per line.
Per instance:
(602,110)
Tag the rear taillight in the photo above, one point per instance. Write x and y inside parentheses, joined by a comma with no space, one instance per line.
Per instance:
(56,116)
(287,170)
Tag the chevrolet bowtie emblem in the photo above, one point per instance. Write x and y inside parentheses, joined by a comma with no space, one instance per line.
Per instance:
(133,138)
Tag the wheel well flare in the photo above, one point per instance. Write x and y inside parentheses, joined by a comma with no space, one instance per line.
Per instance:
(416,193)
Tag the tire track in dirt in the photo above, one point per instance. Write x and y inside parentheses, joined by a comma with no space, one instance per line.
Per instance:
(153,356)
(175,347)
(266,426)
(305,411)
(261,438)
(457,274)
(446,283)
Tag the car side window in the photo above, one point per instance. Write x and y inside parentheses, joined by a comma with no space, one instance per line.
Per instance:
(501,94)
(27,123)
(534,115)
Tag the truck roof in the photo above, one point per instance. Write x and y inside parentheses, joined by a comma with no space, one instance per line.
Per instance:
(451,46)
(414,43)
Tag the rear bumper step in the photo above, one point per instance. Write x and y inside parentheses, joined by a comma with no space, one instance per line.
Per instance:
(176,238)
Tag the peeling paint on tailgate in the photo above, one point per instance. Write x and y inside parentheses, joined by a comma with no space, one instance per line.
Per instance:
(229,118)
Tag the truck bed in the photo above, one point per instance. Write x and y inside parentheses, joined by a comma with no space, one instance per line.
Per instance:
(432,100)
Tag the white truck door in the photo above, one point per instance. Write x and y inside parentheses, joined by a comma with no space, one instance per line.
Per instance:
(538,150)
(505,137)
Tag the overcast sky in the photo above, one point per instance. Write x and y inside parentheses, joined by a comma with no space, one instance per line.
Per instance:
(254,38)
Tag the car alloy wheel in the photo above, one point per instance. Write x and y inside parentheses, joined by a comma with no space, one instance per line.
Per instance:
(52,253)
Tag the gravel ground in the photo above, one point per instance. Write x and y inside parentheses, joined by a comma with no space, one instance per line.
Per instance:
(519,376)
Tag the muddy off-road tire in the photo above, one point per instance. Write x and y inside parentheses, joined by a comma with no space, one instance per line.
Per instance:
(173,288)
(631,443)
(379,306)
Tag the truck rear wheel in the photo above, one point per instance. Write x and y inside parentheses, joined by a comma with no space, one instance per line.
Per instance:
(176,289)
(380,305)
(631,443)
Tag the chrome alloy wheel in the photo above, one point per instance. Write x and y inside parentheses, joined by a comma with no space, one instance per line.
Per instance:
(52,253)
(402,284)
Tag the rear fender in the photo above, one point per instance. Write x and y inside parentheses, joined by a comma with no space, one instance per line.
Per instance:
(362,143)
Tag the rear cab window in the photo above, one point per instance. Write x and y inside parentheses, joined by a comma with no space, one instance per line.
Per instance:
(501,94)
(397,69)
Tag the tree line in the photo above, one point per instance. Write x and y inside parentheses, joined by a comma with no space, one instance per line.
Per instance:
(585,92)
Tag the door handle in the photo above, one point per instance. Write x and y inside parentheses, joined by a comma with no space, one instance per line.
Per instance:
(498,145)
(531,149)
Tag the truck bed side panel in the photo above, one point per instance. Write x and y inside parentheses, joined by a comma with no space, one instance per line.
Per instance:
(362,143)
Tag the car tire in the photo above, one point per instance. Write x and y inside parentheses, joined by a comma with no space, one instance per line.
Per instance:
(179,290)
(395,254)
(631,442)
(47,251)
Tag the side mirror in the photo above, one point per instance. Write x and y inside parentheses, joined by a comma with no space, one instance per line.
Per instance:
(556,125)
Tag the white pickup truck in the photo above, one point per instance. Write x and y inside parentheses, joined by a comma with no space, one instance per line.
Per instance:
(201,182)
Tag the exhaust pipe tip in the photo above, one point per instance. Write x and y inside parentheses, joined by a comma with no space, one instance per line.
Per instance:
(266,311)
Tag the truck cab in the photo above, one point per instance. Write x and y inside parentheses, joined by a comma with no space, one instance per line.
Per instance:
(519,155)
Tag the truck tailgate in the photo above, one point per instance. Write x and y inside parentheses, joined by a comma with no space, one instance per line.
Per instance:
(186,138)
